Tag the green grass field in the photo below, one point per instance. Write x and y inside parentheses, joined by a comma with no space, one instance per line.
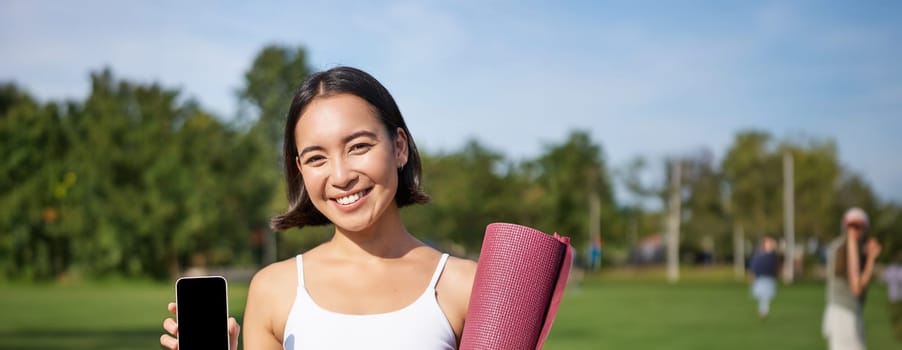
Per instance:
(604,312)
(93,316)
(700,315)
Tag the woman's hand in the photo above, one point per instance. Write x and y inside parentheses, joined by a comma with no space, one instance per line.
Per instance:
(872,248)
(169,340)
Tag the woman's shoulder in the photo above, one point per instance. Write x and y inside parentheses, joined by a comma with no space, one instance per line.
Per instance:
(457,278)
(460,270)
(269,299)
(275,275)
(454,289)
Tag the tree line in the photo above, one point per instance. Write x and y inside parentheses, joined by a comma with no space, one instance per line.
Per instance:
(137,181)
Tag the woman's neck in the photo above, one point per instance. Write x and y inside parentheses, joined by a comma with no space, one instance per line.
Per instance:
(387,239)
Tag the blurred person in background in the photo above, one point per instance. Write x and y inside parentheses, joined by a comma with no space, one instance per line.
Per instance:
(595,254)
(850,266)
(893,277)
(763,267)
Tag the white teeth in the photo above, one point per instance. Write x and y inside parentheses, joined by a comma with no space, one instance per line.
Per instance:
(349,199)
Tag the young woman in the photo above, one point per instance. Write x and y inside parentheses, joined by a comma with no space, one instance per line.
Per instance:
(350,161)
(850,266)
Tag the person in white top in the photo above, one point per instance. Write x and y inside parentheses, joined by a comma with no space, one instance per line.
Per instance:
(892,274)
(351,161)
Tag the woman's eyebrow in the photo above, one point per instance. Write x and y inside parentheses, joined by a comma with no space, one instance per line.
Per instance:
(346,139)
(309,149)
(360,133)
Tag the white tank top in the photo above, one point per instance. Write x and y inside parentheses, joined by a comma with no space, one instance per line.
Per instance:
(419,326)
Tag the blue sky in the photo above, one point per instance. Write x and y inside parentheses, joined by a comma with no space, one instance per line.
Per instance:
(646,78)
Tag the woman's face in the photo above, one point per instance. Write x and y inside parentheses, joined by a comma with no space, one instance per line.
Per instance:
(856,229)
(348,161)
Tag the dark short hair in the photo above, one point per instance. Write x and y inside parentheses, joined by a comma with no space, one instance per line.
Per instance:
(343,80)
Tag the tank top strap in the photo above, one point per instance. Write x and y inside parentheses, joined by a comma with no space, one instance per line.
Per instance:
(438,271)
(300,263)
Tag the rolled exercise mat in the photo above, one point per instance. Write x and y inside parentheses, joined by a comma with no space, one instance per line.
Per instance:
(520,279)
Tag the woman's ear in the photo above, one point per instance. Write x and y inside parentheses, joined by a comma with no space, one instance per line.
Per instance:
(401,150)
(297,162)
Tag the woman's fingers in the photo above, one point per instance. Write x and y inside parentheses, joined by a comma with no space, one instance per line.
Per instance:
(171,326)
(233,327)
(234,330)
(169,342)
(872,247)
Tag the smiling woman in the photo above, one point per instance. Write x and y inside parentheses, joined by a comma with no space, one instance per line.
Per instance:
(351,161)
(366,97)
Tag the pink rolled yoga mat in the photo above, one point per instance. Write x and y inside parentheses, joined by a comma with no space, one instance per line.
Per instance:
(520,279)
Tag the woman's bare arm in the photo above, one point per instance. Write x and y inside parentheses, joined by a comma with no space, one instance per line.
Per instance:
(454,292)
(262,303)
(860,278)
(853,276)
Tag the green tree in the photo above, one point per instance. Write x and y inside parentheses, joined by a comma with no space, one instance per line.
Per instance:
(816,173)
(34,182)
(468,193)
(153,167)
(269,86)
(130,182)
(754,178)
(572,173)
(706,226)
(638,211)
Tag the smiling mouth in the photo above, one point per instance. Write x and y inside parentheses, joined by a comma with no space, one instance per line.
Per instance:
(352,198)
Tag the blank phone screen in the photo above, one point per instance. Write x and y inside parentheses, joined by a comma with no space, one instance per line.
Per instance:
(203,313)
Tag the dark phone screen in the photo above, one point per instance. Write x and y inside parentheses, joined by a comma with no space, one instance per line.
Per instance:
(203,313)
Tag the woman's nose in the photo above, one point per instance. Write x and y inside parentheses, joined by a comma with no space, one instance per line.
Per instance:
(342,175)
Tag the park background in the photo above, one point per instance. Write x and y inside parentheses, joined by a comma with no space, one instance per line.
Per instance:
(140,140)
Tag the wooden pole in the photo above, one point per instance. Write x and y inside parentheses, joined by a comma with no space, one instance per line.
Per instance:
(594,216)
(738,252)
(788,217)
(673,229)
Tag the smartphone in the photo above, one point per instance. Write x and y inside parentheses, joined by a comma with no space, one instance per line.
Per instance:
(202,313)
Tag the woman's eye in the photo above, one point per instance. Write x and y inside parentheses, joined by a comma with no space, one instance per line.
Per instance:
(361,147)
(313,160)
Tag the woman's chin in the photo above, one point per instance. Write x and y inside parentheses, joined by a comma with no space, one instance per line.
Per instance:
(352,226)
